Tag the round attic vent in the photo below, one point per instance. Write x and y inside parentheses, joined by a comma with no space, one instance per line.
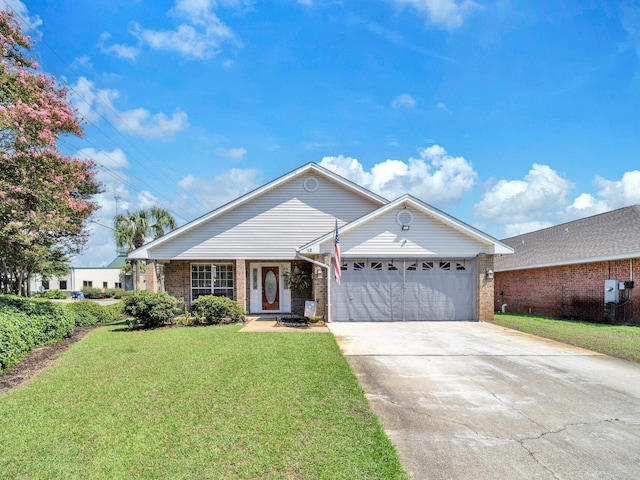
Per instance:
(310,184)
(404,217)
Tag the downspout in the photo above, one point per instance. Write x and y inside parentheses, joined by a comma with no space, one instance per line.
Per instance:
(328,267)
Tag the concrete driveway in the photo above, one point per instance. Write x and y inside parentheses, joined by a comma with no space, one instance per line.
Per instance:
(466,400)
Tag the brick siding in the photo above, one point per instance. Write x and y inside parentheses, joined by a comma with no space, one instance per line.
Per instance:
(485,288)
(568,292)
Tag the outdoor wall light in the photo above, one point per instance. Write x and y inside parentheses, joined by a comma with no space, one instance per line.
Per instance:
(319,272)
(489,273)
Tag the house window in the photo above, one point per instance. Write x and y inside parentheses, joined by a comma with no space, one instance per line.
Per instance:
(357,266)
(87,283)
(211,279)
(392,268)
(118,285)
(445,266)
(376,266)
(104,284)
(45,284)
(255,278)
(63,284)
(412,267)
(460,266)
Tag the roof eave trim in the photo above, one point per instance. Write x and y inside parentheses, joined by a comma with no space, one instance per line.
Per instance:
(142,252)
(623,256)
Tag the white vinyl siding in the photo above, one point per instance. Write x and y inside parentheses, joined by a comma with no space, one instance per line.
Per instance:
(427,236)
(271,226)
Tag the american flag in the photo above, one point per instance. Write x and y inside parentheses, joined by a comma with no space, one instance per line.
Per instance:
(337,270)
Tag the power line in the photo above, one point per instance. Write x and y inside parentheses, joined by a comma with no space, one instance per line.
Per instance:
(151,172)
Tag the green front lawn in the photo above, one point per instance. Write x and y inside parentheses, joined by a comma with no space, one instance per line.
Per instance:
(195,403)
(615,340)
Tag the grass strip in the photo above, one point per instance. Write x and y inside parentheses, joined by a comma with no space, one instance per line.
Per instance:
(186,403)
(615,340)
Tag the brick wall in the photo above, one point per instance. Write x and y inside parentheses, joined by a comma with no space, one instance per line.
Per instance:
(177,279)
(485,288)
(568,292)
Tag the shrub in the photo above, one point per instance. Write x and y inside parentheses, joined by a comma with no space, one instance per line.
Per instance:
(93,293)
(114,311)
(150,309)
(212,309)
(88,313)
(26,323)
(51,294)
(119,293)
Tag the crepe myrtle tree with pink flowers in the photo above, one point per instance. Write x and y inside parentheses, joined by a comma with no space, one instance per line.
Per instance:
(45,197)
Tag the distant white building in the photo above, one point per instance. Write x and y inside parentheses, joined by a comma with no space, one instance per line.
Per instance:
(111,276)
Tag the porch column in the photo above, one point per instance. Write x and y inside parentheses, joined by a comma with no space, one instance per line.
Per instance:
(485,288)
(319,285)
(240,283)
(152,277)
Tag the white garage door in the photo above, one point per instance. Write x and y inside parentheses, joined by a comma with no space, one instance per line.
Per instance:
(405,290)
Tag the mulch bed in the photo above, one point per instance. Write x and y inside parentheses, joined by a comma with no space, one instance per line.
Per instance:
(39,359)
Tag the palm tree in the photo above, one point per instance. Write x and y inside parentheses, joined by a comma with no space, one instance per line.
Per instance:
(162,219)
(132,229)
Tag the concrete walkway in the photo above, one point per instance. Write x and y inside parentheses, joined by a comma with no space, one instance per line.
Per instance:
(466,400)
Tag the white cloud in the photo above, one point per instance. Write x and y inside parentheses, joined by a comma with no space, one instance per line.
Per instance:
(620,193)
(232,153)
(93,104)
(514,203)
(28,22)
(200,36)
(212,193)
(444,108)
(81,62)
(435,177)
(347,167)
(446,14)
(404,100)
(114,159)
(540,200)
(630,17)
(612,194)
(117,49)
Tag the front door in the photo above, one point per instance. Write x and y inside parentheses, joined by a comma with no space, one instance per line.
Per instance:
(270,288)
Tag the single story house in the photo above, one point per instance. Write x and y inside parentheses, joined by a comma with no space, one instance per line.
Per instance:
(400,260)
(578,270)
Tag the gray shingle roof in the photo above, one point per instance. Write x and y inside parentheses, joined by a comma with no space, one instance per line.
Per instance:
(611,235)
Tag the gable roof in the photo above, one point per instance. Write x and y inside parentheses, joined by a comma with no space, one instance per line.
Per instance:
(608,236)
(143,252)
(495,245)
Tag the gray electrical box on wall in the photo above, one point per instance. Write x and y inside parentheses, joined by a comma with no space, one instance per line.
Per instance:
(611,292)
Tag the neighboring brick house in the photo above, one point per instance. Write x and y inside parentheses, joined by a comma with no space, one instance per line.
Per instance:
(561,271)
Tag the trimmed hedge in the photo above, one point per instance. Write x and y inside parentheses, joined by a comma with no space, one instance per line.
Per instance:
(27,323)
(90,313)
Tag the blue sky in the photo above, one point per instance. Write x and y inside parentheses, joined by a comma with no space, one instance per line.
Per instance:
(509,115)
